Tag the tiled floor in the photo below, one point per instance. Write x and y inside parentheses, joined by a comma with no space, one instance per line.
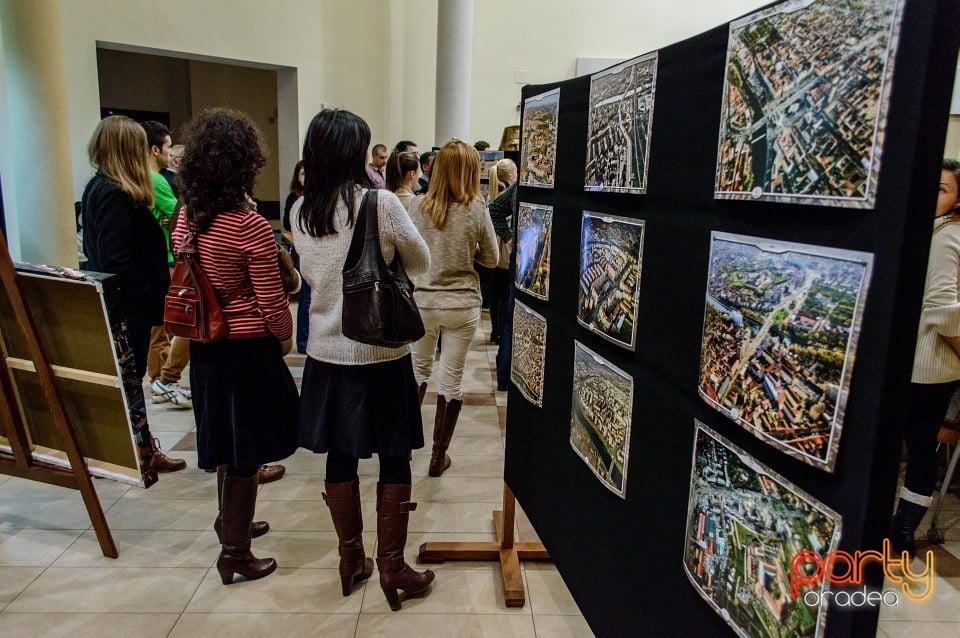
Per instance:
(55,582)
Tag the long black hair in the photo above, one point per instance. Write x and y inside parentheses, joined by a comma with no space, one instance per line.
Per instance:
(335,164)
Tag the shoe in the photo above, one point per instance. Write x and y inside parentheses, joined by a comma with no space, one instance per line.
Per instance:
(271,473)
(163,463)
(239,502)
(171,393)
(393,516)
(443,426)
(257,528)
(905,523)
(343,499)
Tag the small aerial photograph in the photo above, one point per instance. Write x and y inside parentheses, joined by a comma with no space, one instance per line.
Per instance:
(534,226)
(538,145)
(528,354)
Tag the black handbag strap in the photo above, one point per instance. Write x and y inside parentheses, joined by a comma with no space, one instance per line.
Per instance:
(365,244)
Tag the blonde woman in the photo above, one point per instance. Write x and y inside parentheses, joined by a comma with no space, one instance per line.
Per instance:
(402,171)
(121,237)
(453,220)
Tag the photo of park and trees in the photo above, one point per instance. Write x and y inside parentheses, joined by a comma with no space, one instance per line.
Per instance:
(805,101)
(538,142)
(534,228)
(611,252)
(745,524)
(529,351)
(600,418)
(618,134)
(780,330)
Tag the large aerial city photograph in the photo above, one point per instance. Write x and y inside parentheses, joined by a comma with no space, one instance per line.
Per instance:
(620,117)
(804,102)
(538,146)
(780,329)
(745,524)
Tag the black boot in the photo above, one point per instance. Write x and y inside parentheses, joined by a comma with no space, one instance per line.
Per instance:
(905,523)
(239,502)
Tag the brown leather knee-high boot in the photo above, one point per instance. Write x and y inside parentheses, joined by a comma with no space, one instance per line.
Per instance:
(443,426)
(239,502)
(393,515)
(343,499)
(257,528)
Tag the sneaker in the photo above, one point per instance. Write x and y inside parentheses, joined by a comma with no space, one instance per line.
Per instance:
(171,393)
(163,463)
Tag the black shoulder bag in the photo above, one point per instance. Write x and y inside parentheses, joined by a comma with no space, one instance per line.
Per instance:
(378,305)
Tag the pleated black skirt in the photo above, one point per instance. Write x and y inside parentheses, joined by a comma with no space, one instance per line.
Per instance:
(359,410)
(245,403)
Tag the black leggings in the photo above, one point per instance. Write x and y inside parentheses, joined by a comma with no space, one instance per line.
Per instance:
(342,468)
(927,406)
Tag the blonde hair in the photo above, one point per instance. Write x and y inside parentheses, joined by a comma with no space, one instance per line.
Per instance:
(494,180)
(455,179)
(506,169)
(118,149)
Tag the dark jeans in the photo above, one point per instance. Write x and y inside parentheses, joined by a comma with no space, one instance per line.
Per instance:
(139,338)
(926,409)
(303,313)
(506,345)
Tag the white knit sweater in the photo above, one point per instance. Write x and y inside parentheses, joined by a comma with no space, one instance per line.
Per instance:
(934,361)
(321,265)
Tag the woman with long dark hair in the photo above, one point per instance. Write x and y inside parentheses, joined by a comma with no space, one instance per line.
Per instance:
(244,398)
(454,222)
(357,398)
(402,171)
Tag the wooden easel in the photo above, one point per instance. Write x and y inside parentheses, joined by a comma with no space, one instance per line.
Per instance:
(21,462)
(504,549)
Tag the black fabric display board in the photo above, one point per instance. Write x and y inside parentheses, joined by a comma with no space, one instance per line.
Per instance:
(622,558)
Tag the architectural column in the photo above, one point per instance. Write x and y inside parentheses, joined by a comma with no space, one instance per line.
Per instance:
(41,221)
(454,59)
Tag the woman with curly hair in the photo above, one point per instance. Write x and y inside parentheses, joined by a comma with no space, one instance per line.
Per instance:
(244,398)
(358,398)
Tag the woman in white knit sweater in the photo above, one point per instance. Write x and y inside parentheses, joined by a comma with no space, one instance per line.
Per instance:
(936,363)
(356,398)
(454,222)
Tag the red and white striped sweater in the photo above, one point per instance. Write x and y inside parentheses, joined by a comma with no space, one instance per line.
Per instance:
(238,251)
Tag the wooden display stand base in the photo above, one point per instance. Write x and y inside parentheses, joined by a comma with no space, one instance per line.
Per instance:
(504,549)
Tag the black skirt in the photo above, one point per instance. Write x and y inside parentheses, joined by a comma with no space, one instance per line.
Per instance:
(245,403)
(359,410)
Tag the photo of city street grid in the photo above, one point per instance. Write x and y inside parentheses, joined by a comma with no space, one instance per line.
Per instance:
(600,417)
(618,134)
(538,142)
(529,353)
(780,330)
(805,100)
(745,523)
(611,253)
(534,229)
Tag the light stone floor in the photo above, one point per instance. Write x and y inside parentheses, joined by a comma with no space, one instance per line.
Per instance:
(55,582)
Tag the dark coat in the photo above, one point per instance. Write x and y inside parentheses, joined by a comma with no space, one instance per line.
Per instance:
(122,237)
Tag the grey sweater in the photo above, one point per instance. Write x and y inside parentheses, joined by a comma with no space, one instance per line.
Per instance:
(321,265)
(467,235)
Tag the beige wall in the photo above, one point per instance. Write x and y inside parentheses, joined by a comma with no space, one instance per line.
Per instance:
(145,83)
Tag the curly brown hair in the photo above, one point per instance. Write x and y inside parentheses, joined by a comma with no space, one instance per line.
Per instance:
(223,154)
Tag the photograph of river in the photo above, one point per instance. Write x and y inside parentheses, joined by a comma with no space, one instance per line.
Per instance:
(780,330)
(745,524)
(600,417)
(805,102)
(618,134)
(528,353)
(538,142)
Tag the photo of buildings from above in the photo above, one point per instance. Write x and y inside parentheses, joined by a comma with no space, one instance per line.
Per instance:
(529,352)
(780,330)
(600,417)
(745,524)
(534,228)
(611,252)
(538,143)
(618,135)
(805,100)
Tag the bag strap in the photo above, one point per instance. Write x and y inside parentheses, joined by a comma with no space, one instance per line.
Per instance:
(190,253)
(366,231)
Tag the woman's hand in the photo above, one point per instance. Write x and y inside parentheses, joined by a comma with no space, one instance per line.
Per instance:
(286,345)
